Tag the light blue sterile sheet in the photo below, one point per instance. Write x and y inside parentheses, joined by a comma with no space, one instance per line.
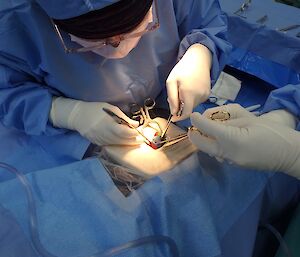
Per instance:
(31,153)
(202,204)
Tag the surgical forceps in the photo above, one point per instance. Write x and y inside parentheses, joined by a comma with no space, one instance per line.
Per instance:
(221,116)
(243,8)
(120,120)
(216,116)
(179,113)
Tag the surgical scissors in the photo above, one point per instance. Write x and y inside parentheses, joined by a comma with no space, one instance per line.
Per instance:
(120,120)
(220,116)
(142,113)
(149,104)
(135,110)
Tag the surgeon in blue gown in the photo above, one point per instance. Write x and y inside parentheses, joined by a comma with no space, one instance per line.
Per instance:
(125,57)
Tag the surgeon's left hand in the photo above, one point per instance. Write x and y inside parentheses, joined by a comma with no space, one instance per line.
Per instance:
(189,81)
(268,142)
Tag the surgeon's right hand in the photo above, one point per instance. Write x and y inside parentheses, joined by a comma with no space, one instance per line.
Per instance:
(89,119)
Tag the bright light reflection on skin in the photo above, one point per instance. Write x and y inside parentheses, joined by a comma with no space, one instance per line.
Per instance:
(149,133)
(148,162)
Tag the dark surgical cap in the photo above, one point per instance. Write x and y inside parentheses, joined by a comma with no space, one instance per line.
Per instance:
(115,19)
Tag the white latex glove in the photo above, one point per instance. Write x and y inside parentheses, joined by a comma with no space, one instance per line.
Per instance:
(189,81)
(89,119)
(282,117)
(260,143)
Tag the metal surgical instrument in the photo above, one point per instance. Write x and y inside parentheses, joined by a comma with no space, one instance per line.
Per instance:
(135,110)
(291,27)
(179,113)
(220,116)
(243,8)
(171,140)
(120,120)
(216,116)
(142,113)
(149,104)
(262,20)
(167,126)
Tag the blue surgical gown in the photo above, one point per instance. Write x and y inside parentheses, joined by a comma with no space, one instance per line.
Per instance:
(288,98)
(34,66)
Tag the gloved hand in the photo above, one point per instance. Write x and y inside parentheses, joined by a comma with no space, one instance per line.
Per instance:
(282,117)
(189,81)
(261,143)
(89,119)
